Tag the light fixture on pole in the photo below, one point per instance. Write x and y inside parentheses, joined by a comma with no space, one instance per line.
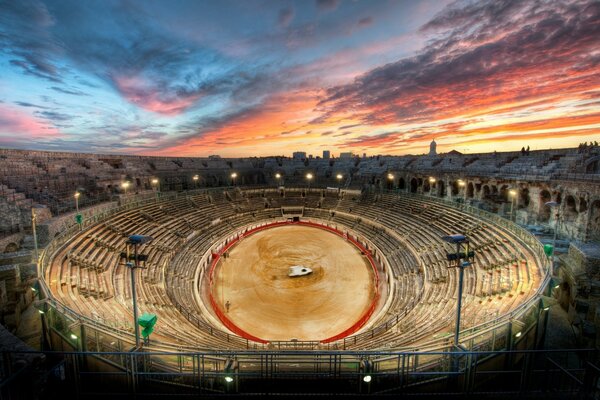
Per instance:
(278,177)
(233,176)
(309,177)
(155,186)
(195,179)
(461,185)
(513,195)
(125,185)
(135,241)
(432,180)
(366,367)
(78,217)
(230,369)
(459,260)
(390,178)
(76,195)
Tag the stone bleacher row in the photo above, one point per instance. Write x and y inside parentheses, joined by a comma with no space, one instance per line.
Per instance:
(88,275)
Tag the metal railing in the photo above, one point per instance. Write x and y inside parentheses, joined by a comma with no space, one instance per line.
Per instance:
(73,374)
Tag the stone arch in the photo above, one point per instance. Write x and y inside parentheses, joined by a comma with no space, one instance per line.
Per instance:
(11,248)
(426,186)
(485,191)
(413,185)
(454,188)
(594,225)
(570,211)
(504,193)
(544,211)
(470,190)
(559,197)
(593,165)
(441,188)
(401,183)
(524,198)
(390,184)
(583,206)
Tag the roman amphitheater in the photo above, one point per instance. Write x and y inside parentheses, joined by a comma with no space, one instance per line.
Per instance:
(390,249)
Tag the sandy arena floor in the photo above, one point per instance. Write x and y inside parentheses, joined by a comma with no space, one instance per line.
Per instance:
(268,304)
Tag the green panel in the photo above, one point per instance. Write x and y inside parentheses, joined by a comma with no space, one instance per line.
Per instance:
(548,249)
(147,331)
(79,218)
(147,320)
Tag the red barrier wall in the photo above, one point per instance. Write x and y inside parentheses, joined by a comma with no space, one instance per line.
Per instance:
(232,327)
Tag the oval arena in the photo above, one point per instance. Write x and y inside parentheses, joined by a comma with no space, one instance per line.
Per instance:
(215,273)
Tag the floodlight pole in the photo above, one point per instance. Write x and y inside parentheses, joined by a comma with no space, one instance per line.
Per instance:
(459,239)
(135,240)
(461,273)
(135,311)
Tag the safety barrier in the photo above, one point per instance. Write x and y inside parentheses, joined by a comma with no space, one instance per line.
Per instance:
(231,326)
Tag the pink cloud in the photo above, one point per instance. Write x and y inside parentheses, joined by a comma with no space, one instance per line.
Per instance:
(16,122)
(138,91)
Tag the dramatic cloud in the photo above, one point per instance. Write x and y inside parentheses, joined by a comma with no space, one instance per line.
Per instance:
(269,77)
(31,50)
(14,123)
(489,54)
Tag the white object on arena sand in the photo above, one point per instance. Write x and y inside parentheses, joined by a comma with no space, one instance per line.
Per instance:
(299,270)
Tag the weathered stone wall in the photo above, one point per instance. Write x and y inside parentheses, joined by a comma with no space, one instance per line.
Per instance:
(11,243)
(50,229)
(10,291)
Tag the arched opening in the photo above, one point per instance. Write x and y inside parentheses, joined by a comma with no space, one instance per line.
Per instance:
(594,226)
(426,187)
(570,209)
(582,205)
(524,199)
(486,192)
(454,188)
(391,184)
(413,185)
(544,212)
(11,248)
(470,190)
(401,184)
(441,188)
(593,166)
(504,193)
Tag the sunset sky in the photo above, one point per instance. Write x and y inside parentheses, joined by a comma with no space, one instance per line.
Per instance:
(269,77)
